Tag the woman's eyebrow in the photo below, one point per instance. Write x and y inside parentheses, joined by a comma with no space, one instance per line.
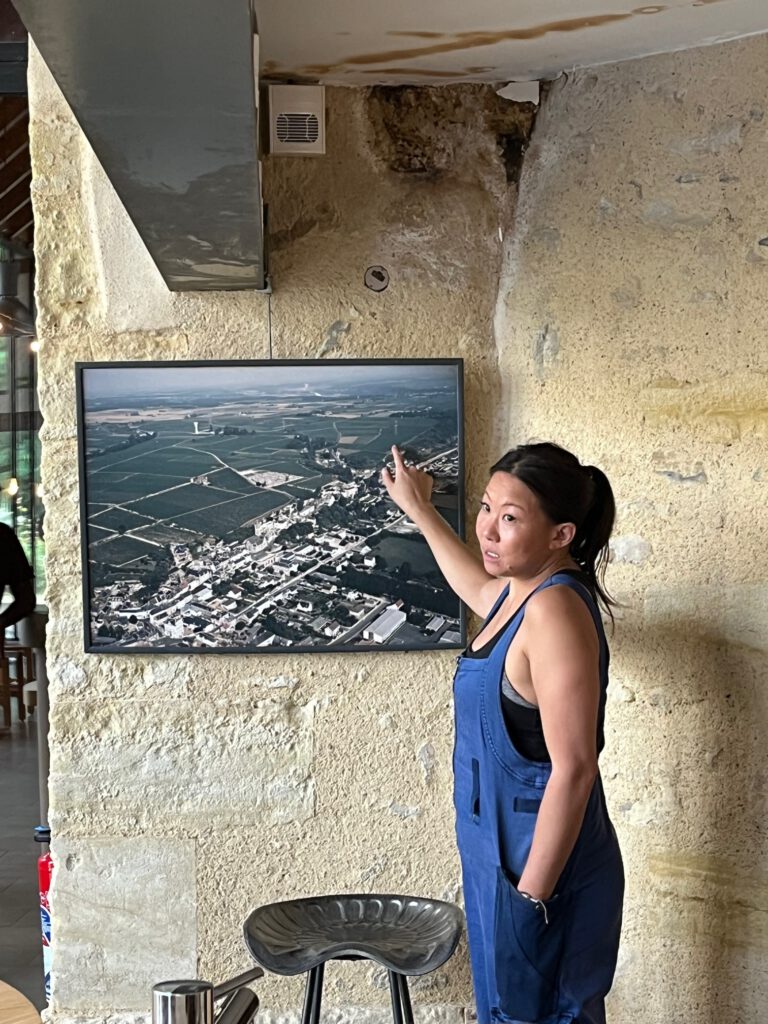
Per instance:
(505,504)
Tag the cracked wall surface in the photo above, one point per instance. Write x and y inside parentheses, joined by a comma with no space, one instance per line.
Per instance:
(631,320)
(614,304)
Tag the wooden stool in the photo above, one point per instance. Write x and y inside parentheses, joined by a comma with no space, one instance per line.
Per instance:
(16,1008)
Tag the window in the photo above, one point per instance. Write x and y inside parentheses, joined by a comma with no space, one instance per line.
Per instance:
(21,505)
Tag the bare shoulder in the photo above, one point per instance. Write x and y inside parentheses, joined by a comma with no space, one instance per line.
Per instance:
(559,611)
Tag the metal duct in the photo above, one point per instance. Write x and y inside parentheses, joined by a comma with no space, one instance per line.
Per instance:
(165,92)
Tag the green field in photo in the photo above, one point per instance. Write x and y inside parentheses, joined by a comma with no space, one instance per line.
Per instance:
(179,461)
(115,518)
(311,426)
(116,487)
(244,459)
(294,468)
(119,550)
(180,500)
(98,533)
(166,430)
(224,519)
(162,533)
(228,480)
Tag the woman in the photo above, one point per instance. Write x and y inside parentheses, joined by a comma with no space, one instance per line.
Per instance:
(542,870)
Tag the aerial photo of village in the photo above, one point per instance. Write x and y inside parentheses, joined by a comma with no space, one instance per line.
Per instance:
(231,508)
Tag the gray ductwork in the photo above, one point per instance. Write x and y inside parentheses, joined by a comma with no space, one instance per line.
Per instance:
(165,91)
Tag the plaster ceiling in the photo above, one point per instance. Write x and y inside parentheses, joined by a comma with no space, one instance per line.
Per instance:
(394,42)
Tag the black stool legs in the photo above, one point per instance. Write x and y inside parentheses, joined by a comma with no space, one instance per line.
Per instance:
(313,994)
(401,1000)
(402,1013)
(405,998)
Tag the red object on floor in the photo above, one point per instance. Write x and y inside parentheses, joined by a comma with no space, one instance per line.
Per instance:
(44,872)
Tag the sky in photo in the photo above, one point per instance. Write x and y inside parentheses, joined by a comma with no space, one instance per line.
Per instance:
(107,382)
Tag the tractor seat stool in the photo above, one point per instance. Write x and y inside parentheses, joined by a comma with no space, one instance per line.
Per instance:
(408,935)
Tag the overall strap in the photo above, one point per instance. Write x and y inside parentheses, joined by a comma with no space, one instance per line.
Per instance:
(497,604)
(530,775)
(501,647)
(506,635)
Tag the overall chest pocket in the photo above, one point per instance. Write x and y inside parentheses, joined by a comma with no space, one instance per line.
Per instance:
(528,950)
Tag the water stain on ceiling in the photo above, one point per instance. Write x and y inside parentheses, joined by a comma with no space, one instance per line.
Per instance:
(299,42)
(469,41)
(418,35)
(419,72)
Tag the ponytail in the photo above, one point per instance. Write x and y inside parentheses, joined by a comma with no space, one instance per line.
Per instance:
(590,545)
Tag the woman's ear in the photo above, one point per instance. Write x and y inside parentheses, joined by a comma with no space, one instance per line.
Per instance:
(562,536)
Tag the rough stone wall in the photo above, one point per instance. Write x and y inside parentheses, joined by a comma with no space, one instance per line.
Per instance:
(616,308)
(185,791)
(631,322)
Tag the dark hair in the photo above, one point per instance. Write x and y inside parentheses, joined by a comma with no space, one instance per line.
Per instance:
(570,493)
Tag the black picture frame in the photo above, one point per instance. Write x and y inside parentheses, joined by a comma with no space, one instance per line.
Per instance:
(153,547)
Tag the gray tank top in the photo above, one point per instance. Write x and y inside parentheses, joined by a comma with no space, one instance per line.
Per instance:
(511,693)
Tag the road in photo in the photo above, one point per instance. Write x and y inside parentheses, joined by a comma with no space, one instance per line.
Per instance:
(240,507)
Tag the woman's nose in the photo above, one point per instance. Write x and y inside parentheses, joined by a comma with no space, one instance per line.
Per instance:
(490,532)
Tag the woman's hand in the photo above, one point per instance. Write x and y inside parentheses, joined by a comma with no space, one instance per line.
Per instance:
(410,488)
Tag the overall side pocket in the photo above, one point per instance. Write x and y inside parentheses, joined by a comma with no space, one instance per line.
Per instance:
(475,801)
(527,952)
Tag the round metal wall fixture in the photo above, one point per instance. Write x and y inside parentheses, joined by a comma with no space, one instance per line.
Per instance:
(376,278)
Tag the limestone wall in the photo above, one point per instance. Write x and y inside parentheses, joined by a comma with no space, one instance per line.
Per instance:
(615,306)
(631,323)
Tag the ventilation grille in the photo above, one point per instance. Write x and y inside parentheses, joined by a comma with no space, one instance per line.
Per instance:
(297,119)
(302,128)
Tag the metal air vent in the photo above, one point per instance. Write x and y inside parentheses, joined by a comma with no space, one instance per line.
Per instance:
(297,120)
(303,128)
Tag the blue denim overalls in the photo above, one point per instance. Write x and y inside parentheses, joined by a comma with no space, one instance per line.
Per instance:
(529,966)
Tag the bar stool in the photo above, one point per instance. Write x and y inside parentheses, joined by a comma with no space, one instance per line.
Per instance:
(408,935)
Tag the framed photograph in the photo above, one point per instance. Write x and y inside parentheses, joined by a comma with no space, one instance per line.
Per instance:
(232,507)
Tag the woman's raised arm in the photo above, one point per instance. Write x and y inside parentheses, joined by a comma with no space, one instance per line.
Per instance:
(410,489)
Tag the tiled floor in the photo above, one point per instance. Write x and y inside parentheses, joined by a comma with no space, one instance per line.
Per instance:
(21,961)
